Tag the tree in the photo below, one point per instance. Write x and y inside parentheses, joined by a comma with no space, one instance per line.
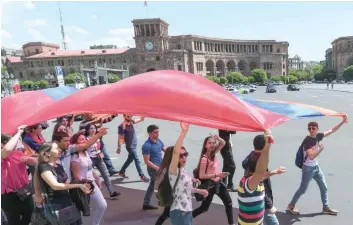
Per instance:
(235,77)
(27,84)
(73,78)
(3,69)
(223,80)
(348,73)
(277,78)
(112,78)
(251,79)
(214,79)
(292,79)
(42,84)
(317,69)
(349,61)
(259,75)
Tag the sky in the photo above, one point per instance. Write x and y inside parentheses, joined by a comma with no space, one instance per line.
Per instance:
(309,27)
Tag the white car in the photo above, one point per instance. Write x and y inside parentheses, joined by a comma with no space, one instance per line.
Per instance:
(350,82)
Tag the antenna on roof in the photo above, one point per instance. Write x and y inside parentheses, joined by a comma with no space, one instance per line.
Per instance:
(64,44)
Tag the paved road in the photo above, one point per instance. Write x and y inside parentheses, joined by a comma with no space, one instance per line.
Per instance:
(336,87)
(335,162)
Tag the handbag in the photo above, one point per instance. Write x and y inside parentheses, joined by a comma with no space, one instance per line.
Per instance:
(205,183)
(64,216)
(24,192)
(165,194)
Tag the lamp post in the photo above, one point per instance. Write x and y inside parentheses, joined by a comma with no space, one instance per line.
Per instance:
(49,77)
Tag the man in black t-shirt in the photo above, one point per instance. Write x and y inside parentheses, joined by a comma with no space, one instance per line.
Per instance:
(228,160)
(311,170)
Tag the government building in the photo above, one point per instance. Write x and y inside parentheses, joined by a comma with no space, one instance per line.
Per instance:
(155,49)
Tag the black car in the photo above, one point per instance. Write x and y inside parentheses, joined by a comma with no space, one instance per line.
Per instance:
(271,88)
(293,87)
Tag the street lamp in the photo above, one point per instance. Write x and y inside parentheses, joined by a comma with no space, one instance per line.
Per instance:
(49,77)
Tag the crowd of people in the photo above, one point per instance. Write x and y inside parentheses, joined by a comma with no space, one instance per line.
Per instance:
(64,182)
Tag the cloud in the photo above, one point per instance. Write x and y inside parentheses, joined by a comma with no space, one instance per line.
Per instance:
(35,34)
(68,39)
(36,22)
(5,34)
(29,5)
(94,17)
(78,30)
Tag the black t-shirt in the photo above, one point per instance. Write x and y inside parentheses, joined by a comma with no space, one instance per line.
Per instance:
(55,197)
(310,142)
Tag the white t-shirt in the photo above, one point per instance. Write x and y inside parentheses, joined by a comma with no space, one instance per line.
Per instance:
(85,165)
(313,143)
(182,195)
(93,150)
(309,162)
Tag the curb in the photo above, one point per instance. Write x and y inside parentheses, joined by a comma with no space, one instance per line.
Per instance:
(329,90)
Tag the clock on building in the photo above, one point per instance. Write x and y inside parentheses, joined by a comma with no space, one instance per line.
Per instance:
(149,46)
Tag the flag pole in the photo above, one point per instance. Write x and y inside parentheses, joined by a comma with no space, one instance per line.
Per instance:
(146,9)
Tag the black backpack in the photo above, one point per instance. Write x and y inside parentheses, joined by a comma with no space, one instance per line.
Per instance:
(165,191)
(299,157)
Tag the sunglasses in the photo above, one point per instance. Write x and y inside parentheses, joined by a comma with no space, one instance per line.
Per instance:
(312,128)
(186,154)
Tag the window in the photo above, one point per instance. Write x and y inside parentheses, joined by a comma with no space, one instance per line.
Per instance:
(179,46)
(263,48)
(157,58)
(21,75)
(284,73)
(180,67)
(284,66)
(278,50)
(270,48)
(37,51)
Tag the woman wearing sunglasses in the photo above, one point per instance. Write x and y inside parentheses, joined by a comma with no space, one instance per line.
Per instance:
(175,158)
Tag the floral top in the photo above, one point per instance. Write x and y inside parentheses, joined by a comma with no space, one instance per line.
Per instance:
(182,195)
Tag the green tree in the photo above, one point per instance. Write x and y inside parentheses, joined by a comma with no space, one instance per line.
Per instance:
(214,79)
(235,77)
(27,83)
(223,80)
(72,78)
(349,61)
(276,78)
(292,79)
(112,78)
(251,79)
(3,69)
(42,84)
(259,75)
(317,69)
(348,73)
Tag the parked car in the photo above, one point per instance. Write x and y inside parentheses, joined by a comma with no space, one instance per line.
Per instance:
(292,87)
(271,88)
(350,82)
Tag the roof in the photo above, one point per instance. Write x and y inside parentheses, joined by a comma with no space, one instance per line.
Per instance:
(228,40)
(82,52)
(40,44)
(14,59)
(342,38)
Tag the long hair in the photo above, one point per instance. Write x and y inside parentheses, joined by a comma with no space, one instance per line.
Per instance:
(204,151)
(167,159)
(43,150)
(74,139)
(87,129)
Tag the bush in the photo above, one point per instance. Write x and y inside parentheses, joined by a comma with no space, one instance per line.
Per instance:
(251,79)
(292,79)
(223,80)
(112,78)
(235,77)
(214,79)
(72,78)
(348,73)
(259,75)
(42,84)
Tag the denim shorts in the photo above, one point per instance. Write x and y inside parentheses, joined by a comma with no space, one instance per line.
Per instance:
(178,217)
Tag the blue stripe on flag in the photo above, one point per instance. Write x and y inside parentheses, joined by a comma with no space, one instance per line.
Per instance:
(60,92)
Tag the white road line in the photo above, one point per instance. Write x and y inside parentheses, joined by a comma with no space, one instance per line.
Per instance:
(313,96)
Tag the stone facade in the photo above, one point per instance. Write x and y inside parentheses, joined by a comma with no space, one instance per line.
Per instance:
(156,50)
(342,51)
(296,63)
(328,59)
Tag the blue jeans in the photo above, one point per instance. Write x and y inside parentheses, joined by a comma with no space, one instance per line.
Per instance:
(107,160)
(150,190)
(178,217)
(3,218)
(270,219)
(97,162)
(132,157)
(309,173)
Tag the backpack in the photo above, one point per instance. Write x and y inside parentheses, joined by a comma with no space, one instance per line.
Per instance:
(165,192)
(196,171)
(299,157)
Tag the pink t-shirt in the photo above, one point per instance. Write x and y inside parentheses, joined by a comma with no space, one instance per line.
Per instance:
(214,167)
(13,172)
